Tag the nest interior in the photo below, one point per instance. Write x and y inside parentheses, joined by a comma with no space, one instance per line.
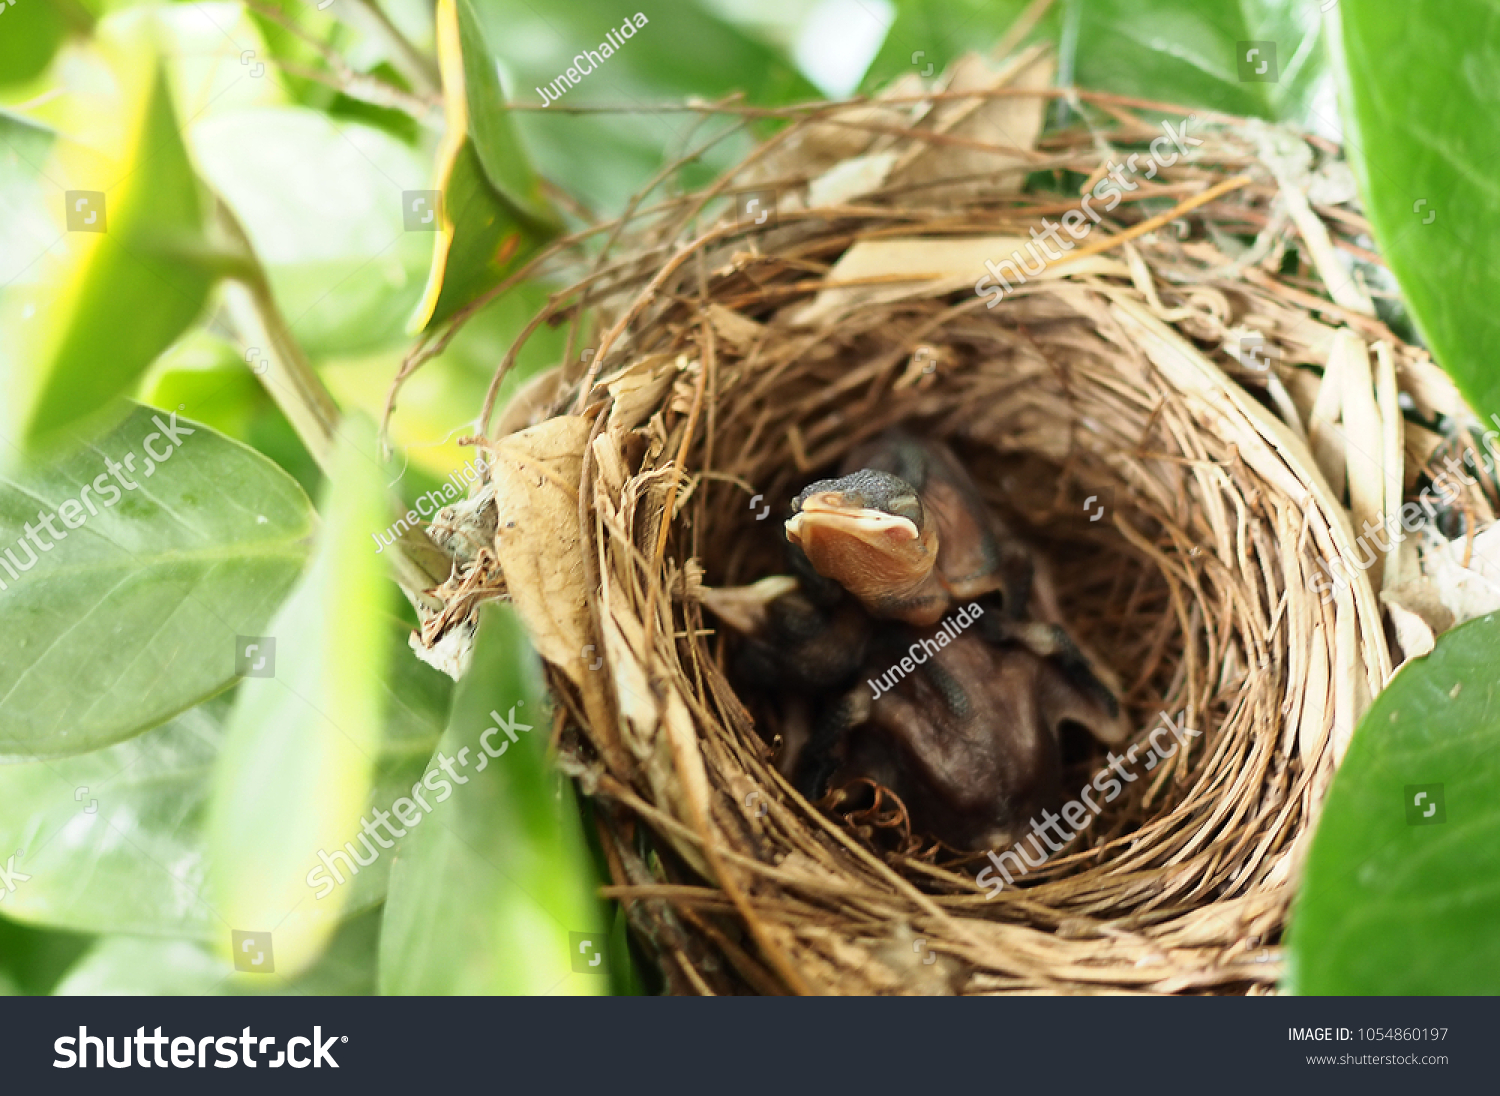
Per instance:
(1187,500)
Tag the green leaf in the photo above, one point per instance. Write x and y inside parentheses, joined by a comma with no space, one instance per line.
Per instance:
(300,755)
(936,32)
(496,142)
(128,613)
(208,377)
(603,159)
(29,37)
(1177,51)
(1401,894)
(694,52)
(25,233)
(1423,151)
(113,840)
(33,960)
(321,202)
(493,216)
(131,966)
(481,241)
(23,148)
(120,296)
(284,45)
(1190,53)
(494,876)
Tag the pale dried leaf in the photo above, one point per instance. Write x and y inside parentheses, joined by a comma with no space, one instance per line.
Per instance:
(854,178)
(739,332)
(637,390)
(536,475)
(928,267)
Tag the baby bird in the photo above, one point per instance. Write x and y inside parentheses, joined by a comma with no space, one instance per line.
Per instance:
(969,738)
(960,717)
(907,534)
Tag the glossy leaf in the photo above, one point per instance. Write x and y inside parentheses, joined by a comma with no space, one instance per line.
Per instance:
(1177,51)
(482,239)
(119,296)
(1424,153)
(111,840)
(119,623)
(114,842)
(300,756)
(1195,54)
(496,142)
(1401,890)
(482,233)
(494,877)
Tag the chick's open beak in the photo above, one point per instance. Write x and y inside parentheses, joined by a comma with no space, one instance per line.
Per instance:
(831,514)
(866,550)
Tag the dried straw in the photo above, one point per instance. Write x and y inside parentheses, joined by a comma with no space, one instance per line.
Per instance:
(731,360)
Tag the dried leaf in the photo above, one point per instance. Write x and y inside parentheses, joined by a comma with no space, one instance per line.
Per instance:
(1008,122)
(927,267)
(536,475)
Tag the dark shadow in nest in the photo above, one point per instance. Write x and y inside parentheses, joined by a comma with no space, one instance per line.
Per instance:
(1114,602)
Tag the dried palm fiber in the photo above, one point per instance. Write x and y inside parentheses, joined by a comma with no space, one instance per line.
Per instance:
(722,353)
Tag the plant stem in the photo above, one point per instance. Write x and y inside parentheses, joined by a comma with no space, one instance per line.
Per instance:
(295,386)
(411,62)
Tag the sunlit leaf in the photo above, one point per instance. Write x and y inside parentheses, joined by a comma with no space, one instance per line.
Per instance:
(169,541)
(302,748)
(1401,890)
(481,240)
(480,232)
(493,886)
(285,46)
(1424,152)
(29,35)
(134,275)
(25,230)
(505,161)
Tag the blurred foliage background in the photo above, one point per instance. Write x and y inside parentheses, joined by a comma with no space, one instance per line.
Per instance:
(262,272)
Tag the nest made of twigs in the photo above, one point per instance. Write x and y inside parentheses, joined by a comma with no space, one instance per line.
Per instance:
(734,359)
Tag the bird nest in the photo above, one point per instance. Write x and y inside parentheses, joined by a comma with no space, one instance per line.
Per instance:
(1185,403)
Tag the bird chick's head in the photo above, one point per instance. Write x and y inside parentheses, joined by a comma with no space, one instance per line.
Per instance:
(868,532)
